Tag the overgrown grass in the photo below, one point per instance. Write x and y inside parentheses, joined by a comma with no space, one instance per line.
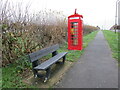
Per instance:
(10,78)
(11,74)
(113,42)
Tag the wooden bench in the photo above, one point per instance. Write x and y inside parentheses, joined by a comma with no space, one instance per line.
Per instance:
(46,66)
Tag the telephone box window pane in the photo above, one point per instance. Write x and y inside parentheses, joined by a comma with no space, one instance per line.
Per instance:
(75,29)
(76,26)
(76,36)
(75,42)
(74,23)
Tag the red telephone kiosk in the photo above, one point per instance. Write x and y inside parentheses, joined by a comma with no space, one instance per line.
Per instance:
(75,32)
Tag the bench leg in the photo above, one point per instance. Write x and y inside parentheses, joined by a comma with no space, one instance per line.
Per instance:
(35,73)
(64,59)
(47,74)
(54,53)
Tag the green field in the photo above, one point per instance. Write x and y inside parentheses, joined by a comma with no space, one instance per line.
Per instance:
(11,74)
(113,42)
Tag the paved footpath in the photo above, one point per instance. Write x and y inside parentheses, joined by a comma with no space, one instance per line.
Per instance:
(95,69)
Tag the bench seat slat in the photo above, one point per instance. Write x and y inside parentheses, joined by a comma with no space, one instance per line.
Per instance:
(50,61)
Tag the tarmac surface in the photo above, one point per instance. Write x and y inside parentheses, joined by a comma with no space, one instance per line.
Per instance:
(95,69)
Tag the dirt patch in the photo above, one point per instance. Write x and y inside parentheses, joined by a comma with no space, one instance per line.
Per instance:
(57,73)
(26,73)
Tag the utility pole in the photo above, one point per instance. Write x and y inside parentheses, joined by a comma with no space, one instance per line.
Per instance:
(116,15)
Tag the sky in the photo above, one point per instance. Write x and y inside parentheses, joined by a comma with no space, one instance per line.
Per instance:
(95,12)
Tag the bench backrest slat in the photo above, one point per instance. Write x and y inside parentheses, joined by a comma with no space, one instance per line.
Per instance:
(43,52)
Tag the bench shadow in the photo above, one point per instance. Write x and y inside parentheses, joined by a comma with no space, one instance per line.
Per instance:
(57,71)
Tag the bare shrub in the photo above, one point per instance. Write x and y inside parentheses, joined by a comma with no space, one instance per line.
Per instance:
(23,33)
(88,29)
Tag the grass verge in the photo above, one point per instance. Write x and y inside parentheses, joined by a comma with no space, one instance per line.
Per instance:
(113,42)
(11,74)
(11,77)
